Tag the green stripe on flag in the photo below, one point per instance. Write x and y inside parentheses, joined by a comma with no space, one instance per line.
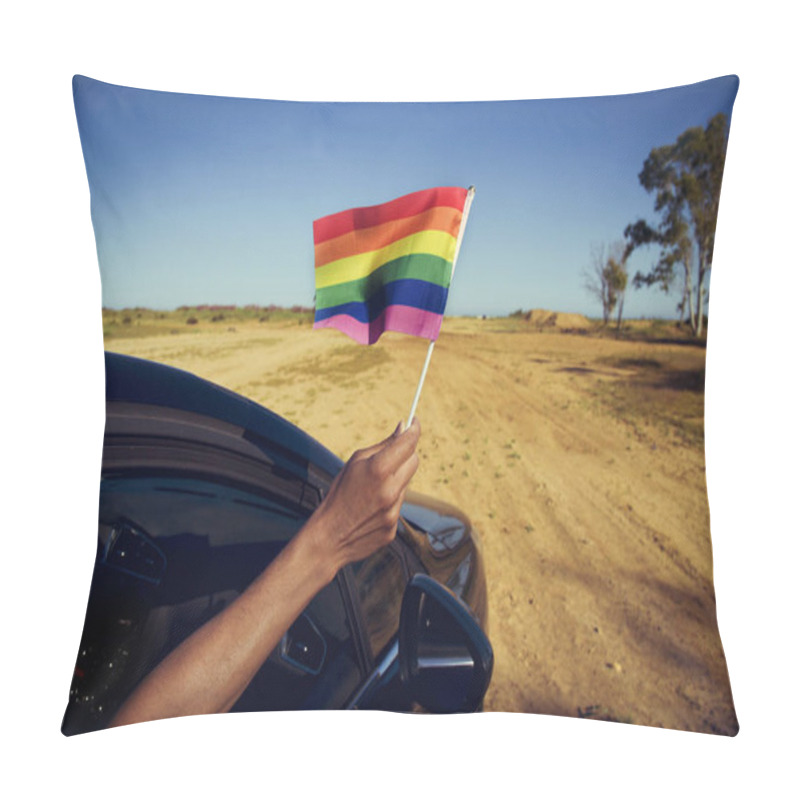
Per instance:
(418,266)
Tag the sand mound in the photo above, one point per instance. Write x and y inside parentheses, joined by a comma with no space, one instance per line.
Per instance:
(556,319)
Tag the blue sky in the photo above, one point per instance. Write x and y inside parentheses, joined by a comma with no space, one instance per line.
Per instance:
(211,200)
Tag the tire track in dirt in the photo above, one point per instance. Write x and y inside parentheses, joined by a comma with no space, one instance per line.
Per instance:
(594,530)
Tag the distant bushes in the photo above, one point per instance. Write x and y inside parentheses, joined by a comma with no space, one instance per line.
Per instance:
(137,322)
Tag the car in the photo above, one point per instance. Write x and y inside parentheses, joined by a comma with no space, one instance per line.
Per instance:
(200,489)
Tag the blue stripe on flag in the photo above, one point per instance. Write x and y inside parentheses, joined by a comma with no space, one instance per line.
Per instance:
(408,292)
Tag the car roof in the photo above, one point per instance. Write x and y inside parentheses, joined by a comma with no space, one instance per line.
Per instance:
(136,380)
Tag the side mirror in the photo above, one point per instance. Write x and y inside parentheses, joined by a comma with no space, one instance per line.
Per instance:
(445,658)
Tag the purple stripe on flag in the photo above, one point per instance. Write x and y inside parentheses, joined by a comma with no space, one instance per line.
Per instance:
(403,319)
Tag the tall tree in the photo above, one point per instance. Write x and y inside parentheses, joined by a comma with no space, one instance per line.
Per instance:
(686,177)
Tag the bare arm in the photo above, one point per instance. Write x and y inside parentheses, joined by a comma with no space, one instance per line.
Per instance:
(209,671)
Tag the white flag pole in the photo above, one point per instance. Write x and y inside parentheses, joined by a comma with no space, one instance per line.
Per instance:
(464,215)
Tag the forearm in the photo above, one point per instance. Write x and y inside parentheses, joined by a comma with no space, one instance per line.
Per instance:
(209,671)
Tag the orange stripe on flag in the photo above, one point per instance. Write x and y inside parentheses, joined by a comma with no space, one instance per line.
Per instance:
(364,240)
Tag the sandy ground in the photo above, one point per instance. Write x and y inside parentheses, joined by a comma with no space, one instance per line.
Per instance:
(595,526)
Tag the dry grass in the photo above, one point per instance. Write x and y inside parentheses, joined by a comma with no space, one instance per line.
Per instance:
(578,457)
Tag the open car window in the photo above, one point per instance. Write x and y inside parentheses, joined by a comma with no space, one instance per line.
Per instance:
(176,544)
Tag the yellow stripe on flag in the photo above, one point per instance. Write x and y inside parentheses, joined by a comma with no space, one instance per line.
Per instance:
(353,268)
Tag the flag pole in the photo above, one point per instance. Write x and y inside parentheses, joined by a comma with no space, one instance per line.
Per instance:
(467,204)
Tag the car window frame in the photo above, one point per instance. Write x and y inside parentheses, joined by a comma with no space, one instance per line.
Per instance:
(247,464)
(145,420)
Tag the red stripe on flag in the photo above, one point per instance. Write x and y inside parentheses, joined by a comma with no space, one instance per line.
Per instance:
(409,205)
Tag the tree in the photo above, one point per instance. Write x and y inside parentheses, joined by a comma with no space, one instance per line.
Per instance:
(686,177)
(607,278)
(618,281)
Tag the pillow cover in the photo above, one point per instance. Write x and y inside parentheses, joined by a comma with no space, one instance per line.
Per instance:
(558,491)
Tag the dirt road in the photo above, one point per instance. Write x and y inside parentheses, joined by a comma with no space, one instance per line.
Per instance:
(591,505)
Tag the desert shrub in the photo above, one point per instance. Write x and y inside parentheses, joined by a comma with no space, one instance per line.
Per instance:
(191,321)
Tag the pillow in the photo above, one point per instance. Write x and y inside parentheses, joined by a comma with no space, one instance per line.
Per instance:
(542,545)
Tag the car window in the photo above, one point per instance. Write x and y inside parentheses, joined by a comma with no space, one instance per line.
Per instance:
(379,581)
(173,551)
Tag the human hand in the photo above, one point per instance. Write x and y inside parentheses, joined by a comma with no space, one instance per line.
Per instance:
(360,512)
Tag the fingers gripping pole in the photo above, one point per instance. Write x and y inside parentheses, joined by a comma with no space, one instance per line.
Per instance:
(421,381)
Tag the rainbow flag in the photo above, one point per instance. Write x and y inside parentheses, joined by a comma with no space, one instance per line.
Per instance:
(388,267)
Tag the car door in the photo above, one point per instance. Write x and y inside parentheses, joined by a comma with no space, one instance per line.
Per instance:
(190,513)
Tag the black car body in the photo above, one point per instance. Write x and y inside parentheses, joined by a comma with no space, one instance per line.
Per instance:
(200,489)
